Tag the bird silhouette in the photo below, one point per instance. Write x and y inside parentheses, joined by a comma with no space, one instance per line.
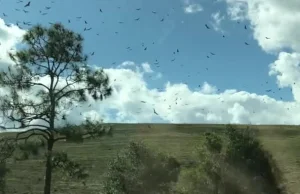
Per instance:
(27,4)
(87,29)
(207,26)
(155,111)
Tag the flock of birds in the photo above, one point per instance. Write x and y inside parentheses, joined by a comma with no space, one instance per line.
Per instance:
(25,7)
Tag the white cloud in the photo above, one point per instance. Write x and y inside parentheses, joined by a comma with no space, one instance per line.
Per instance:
(208,89)
(9,37)
(217,19)
(287,71)
(133,99)
(275,19)
(147,68)
(190,7)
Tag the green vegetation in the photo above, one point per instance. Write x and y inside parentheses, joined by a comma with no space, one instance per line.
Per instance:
(137,169)
(233,162)
(178,141)
(56,53)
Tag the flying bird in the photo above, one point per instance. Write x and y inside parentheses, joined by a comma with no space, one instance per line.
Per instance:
(246,43)
(27,4)
(212,53)
(267,38)
(154,111)
(138,9)
(154,12)
(245,27)
(137,19)
(87,29)
(100,10)
(207,26)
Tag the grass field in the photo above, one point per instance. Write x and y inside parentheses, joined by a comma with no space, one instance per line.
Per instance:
(176,140)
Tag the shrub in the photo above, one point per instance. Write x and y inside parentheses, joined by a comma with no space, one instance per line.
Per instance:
(137,169)
(231,162)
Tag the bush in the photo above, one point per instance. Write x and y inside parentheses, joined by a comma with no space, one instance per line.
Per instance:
(137,170)
(232,162)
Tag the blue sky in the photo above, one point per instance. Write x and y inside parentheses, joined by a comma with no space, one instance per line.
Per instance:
(234,65)
(187,32)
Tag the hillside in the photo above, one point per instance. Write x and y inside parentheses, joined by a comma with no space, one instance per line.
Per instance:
(177,140)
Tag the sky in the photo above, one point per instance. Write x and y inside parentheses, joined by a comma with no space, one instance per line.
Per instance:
(192,61)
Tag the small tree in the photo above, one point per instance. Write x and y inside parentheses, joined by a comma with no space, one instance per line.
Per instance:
(234,162)
(55,54)
(137,170)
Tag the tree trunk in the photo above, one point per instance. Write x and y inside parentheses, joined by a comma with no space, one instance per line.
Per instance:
(48,177)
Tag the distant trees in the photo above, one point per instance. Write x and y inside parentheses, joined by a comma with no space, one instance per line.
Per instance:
(233,162)
(54,53)
(137,170)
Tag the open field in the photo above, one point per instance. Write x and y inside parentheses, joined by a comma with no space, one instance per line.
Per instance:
(177,140)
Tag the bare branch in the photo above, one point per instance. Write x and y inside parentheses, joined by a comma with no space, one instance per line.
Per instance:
(44,133)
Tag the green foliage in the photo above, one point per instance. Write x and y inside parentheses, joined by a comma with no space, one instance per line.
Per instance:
(56,53)
(245,152)
(233,162)
(137,169)
(87,130)
(61,161)
(26,149)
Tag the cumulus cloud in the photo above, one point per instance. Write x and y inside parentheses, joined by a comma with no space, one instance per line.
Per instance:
(287,71)
(133,100)
(274,22)
(190,7)
(10,36)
